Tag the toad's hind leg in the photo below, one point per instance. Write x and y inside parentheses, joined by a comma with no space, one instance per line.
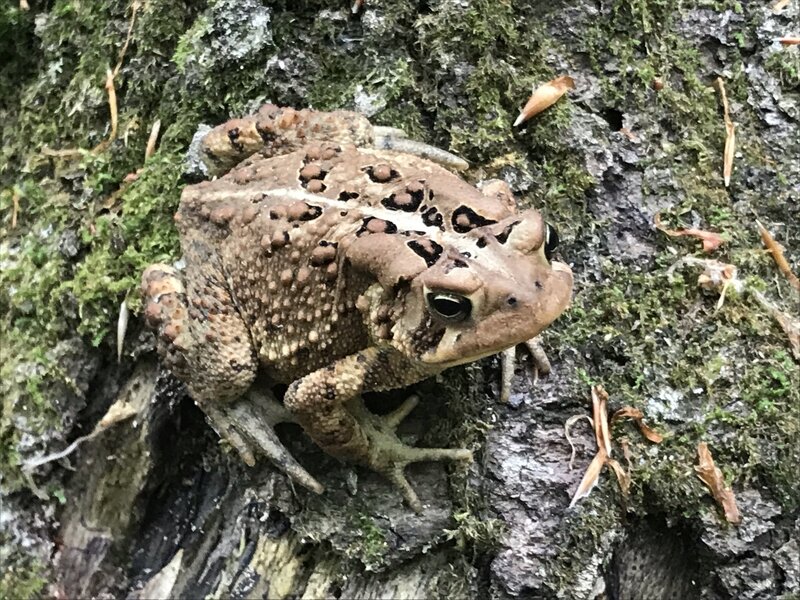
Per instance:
(204,342)
(327,403)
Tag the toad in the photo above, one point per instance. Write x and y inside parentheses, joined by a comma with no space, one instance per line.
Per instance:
(338,258)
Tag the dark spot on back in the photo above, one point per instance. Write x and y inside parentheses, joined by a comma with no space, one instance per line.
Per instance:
(404,202)
(382,173)
(312,213)
(429,250)
(267,136)
(502,237)
(376,225)
(433,218)
(345,196)
(233,137)
(465,219)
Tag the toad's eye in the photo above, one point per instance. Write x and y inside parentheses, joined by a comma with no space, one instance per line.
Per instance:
(550,241)
(449,307)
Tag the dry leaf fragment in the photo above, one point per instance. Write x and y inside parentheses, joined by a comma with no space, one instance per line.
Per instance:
(623,476)
(710,475)
(590,477)
(545,96)
(779,6)
(602,435)
(24,6)
(122,327)
(600,413)
(117,412)
(131,177)
(711,240)
(715,276)
(789,41)
(730,134)
(634,413)
(357,6)
(162,583)
(151,141)
(776,250)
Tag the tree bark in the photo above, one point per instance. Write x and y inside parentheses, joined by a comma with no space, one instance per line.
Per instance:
(154,506)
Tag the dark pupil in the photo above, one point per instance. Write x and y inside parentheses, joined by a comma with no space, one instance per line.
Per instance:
(447,306)
(551,242)
(450,307)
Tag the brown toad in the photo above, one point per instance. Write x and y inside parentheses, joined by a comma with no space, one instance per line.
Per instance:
(340,270)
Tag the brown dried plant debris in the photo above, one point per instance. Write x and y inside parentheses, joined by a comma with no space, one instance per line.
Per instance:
(776,250)
(711,239)
(710,475)
(122,327)
(630,412)
(545,96)
(135,6)
(152,140)
(789,41)
(112,104)
(602,434)
(730,134)
(716,275)
(116,413)
(721,277)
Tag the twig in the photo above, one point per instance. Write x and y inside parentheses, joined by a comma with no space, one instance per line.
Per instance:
(730,134)
(151,141)
(135,5)
(777,255)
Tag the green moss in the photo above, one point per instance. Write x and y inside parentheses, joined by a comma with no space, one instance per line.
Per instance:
(23,581)
(582,533)
(371,546)
(785,66)
(82,236)
(134,233)
(479,535)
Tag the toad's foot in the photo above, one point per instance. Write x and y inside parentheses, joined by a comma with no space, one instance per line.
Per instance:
(388,455)
(247,425)
(508,358)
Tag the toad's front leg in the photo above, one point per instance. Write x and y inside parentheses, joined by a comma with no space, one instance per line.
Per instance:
(327,403)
